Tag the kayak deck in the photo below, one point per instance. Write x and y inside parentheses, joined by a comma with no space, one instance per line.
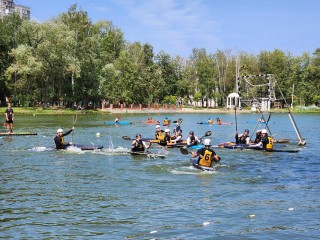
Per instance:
(147,154)
(17,133)
(203,168)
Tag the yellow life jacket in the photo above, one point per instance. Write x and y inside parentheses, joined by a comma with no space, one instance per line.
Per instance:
(62,140)
(160,135)
(270,143)
(166,122)
(206,159)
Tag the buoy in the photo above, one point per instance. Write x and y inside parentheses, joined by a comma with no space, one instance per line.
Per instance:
(97,134)
(4,124)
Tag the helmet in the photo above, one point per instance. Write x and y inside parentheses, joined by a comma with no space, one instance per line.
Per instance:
(247,130)
(166,117)
(167,130)
(158,126)
(59,130)
(207,142)
(191,132)
(263,131)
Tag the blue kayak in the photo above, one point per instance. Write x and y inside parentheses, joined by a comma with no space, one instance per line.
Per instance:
(120,123)
(196,146)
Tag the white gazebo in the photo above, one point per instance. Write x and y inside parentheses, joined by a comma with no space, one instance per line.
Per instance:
(233,100)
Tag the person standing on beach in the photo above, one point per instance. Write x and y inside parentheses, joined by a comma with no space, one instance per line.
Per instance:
(9,118)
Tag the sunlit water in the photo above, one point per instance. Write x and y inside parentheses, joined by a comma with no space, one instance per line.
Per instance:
(108,194)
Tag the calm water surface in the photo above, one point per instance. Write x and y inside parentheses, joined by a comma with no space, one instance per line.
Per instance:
(109,194)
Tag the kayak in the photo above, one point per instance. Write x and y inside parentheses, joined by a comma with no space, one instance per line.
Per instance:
(153,122)
(120,123)
(87,147)
(230,145)
(17,133)
(147,154)
(79,146)
(203,168)
(215,123)
(178,144)
(196,146)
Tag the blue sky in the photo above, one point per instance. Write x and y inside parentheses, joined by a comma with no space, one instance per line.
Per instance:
(178,26)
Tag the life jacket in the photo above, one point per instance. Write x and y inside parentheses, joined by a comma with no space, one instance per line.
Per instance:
(159,135)
(166,139)
(138,148)
(270,143)
(62,140)
(210,121)
(166,122)
(206,159)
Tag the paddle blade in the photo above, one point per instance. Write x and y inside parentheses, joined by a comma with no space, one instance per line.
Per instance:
(126,138)
(208,133)
(185,151)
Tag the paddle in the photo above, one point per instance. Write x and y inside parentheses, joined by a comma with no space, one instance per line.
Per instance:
(129,138)
(185,151)
(235,114)
(75,117)
(208,133)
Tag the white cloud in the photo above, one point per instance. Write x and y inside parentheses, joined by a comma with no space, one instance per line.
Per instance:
(174,26)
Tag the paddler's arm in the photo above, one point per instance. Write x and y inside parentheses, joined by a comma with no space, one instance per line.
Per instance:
(67,133)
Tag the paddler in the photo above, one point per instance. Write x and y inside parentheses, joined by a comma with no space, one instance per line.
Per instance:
(9,118)
(166,139)
(150,120)
(59,139)
(243,138)
(138,145)
(116,121)
(166,121)
(210,121)
(206,155)
(178,137)
(159,134)
(265,141)
(192,140)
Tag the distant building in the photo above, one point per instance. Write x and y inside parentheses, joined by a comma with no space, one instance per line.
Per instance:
(8,7)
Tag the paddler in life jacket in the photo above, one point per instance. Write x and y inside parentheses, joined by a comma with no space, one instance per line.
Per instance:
(265,141)
(166,121)
(166,139)
(59,139)
(138,145)
(210,121)
(159,134)
(243,138)
(192,139)
(219,121)
(206,155)
(150,120)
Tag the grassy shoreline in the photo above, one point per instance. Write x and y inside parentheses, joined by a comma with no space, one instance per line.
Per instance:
(66,111)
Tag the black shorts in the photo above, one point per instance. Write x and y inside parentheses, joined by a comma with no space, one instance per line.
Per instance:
(9,121)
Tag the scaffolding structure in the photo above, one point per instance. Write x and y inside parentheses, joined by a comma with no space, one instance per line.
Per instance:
(257,91)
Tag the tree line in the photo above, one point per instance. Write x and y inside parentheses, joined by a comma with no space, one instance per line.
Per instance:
(69,59)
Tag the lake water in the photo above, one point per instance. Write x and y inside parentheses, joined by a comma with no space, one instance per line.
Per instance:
(109,194)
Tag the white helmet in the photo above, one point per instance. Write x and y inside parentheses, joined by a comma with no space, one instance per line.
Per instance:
(263,131)
(59,130)
(158,126)
(167,130)
(207,142)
